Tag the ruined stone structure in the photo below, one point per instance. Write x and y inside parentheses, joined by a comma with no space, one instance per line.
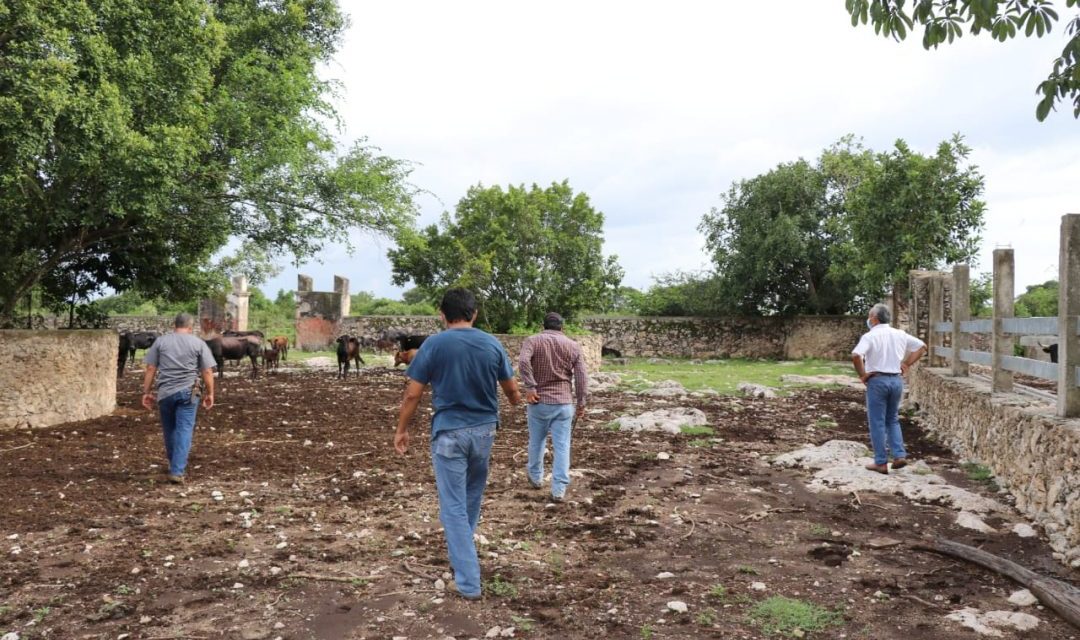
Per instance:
(319,313)
(50,377)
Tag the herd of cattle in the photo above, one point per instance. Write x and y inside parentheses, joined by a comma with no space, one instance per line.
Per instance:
(237,345)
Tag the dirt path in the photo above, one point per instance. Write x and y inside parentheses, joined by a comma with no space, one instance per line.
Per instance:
(320,531)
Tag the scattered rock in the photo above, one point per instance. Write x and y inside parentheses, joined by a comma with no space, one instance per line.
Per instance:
(972,521)
(604,381)
(319,362)
(988,623)
(882,543)
(678,606)
(843,381)
(756,390)
(440,585)
(758,586)
(663,455)
(665,575)
(493,632)
(665,389)
(666,420)
(1024,530)
(1023,598)
(10,636)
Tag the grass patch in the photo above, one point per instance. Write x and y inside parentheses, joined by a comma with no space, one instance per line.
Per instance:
(696,431)
(820,530)
(718,591)
(523,624)
(747,569)
(725,375)
(786,616)
(646,632)
(701,442)
(497,586)
(981,474)
(706,618)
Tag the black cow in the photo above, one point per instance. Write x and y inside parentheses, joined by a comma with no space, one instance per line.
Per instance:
(234,348)
(348,349)
(244,334)
(140,340)
(1052,350)
(122,356)
(410,342)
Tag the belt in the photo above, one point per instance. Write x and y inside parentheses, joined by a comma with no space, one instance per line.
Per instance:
(882,373)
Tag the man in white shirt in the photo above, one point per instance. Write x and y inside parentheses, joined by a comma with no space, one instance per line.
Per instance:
(881,358)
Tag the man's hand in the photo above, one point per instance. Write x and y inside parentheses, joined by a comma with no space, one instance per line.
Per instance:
(865,378)
(532,397)
(148,401)
(580,412)
(401,441)
(208,401)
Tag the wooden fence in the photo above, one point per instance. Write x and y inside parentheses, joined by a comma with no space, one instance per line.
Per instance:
(1005,328)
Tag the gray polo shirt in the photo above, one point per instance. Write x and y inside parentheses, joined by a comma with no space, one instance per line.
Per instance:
(179,358)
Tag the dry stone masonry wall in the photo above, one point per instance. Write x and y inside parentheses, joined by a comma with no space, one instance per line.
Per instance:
(50,377)
(1033,453)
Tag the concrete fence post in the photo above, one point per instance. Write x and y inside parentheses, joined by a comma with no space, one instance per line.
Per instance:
(1068,395)
(937,314)
(960,312)
(1004,287)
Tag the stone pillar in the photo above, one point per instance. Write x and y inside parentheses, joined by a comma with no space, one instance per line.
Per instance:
(304,283)
(1004,287)
(937,314)
(961,312)
(341,285)
(240,296)
(1068,395)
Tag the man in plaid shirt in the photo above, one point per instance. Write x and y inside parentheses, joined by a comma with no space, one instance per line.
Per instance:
(553,373)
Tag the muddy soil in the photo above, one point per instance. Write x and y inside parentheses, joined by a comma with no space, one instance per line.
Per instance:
(298,521)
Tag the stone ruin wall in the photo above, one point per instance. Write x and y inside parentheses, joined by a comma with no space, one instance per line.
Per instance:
(49,377)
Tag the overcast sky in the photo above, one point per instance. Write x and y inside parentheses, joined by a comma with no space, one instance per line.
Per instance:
(654,109)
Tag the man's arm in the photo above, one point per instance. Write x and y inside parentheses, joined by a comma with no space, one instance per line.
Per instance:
(528,379)
(510,388)
(148,396)
(208,388)
(860,368)
(413,392)
(912,358)
(581,384)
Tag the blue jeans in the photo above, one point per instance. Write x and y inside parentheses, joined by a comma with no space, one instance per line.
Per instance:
(460,458)
(556,419)
(882,410)
(178,426)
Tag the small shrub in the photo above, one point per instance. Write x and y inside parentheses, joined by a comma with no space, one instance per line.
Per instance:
(820,530)
(646,632)
(718,591)
(706,618)
(497,586)
(701,442)
(747,569)
(523,623)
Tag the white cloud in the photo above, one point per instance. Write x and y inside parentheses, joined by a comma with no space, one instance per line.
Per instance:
(654,109)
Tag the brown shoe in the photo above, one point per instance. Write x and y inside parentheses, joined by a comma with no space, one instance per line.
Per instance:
(880,468)
(899,463)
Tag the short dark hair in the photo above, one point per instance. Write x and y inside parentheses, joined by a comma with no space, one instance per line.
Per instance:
(458,304)
(553,321)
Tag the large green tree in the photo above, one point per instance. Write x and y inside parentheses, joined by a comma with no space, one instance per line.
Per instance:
(946,20)
(523,251)
(832,236)
(137,137)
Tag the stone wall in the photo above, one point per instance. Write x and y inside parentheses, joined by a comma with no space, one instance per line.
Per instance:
(1033,453)
(50,377)
(590,349)
(829,337)
(160,324)
(375,327)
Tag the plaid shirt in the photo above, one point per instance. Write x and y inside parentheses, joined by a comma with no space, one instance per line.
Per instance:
(547,363)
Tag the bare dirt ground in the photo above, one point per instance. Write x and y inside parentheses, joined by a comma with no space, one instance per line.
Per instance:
(299,521)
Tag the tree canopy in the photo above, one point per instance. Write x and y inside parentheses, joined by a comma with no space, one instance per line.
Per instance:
(1038,301)
(831,237)
(946,20)
(522,251)
(137,138)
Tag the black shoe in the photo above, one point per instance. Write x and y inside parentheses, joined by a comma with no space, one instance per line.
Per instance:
(533,484)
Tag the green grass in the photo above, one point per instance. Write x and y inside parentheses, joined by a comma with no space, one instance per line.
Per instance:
(646,632)
(706,618)
(747,569)
(497,586)
(785,616)
(820,530)
(696,431)
(522,623)
(718,591)
(700,442)
(726,375)
(981,474)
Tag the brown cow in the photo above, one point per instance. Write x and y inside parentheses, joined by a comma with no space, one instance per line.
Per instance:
(385,345)
(270,358)
(281,344)
(404,357)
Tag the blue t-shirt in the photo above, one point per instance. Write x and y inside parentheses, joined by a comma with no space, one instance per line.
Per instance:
(464,368)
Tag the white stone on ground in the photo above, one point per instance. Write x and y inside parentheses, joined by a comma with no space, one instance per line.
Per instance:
(604,381)
(840,465)
(665,389)
(678,606)
(1023,598)
(757,586)
(667,420)
(319,362)
(665,575)
(1024,530)
(844,381)
(756,390)
(989,623)
(972,521)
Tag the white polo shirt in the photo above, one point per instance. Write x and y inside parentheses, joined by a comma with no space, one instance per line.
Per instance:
(884,348)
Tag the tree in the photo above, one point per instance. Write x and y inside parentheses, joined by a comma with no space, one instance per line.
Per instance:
(1038,301)
(945,20)
(137,137)
(523,251)
(832,237)
(981,293)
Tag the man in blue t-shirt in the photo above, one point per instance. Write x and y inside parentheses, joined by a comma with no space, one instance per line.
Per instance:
(465,367)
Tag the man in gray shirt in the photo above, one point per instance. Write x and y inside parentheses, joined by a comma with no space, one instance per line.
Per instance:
(178,359)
